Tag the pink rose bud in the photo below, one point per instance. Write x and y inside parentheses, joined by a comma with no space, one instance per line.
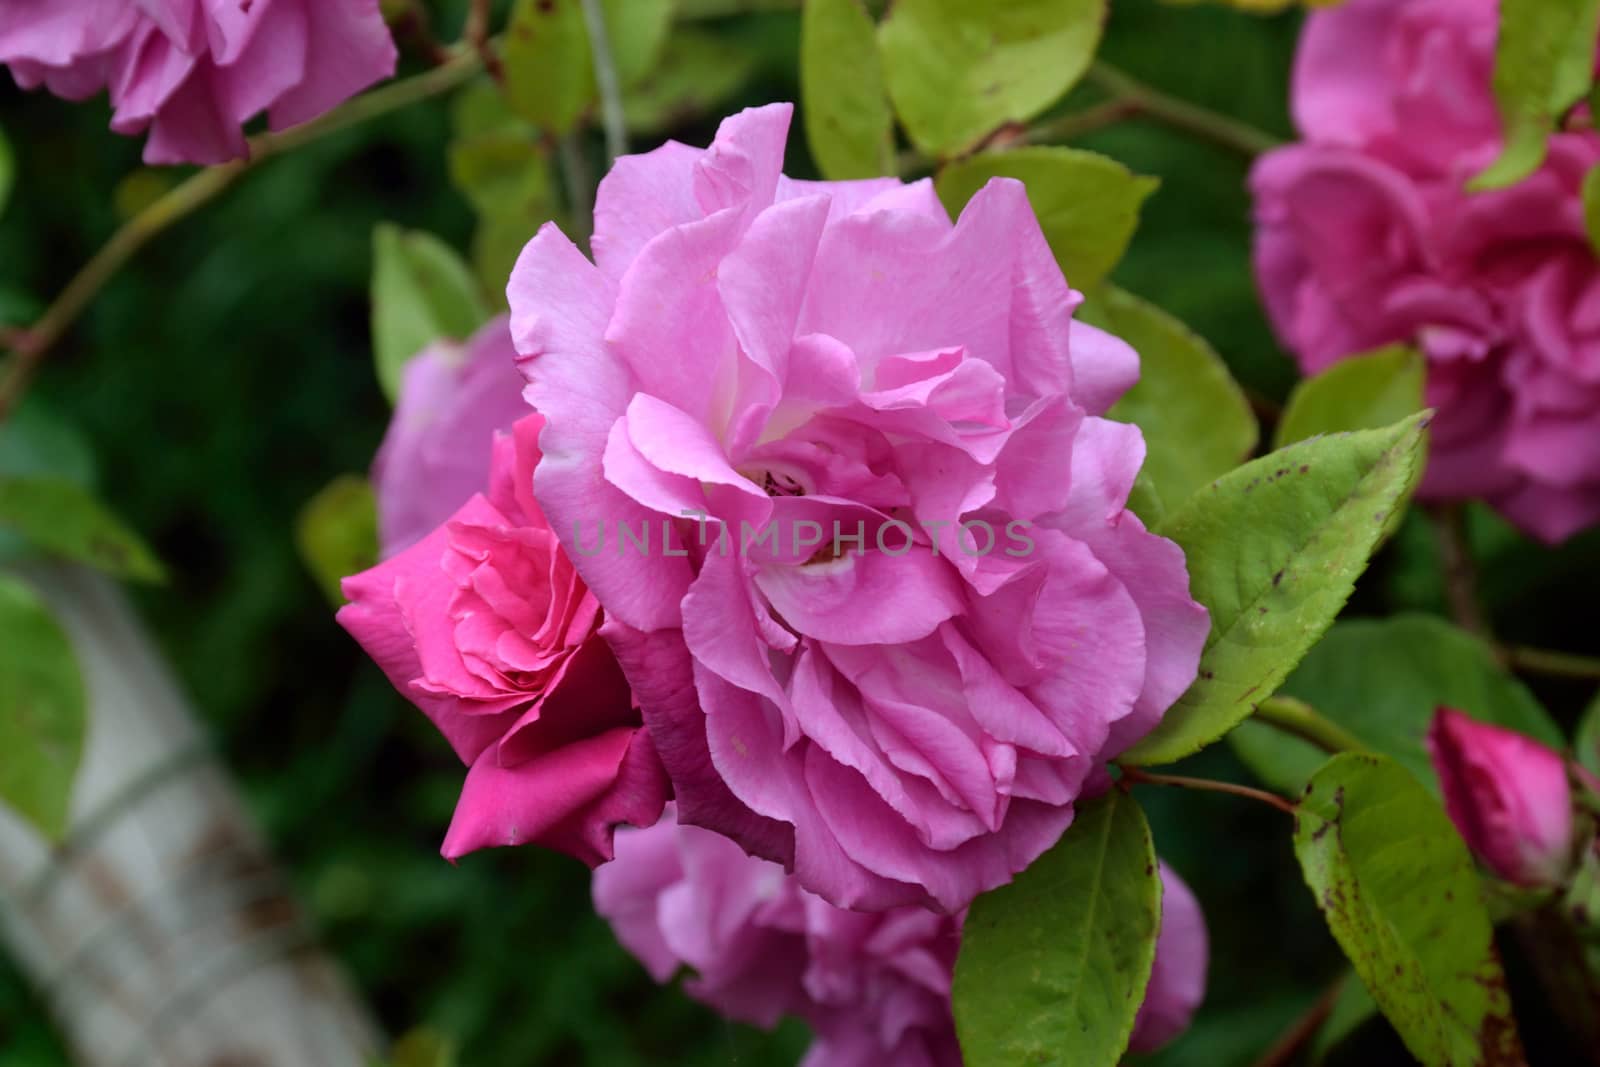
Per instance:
(1178,980)
(1507,794)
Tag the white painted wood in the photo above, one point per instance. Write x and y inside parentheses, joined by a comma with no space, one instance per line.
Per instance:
(162,934)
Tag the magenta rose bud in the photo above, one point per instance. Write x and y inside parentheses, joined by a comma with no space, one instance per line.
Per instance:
(435,455)
(485,626)
(1508,795)
(1178,979)
(193,72)
(875,987)
(837,467)
(1366,235)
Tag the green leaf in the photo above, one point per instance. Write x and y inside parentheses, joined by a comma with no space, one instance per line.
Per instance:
(1382,679)
(1351,1010)
(549,69)
(697,74)
(1274,549)
(504,176)
(64,519)
(421,292)
(959,69)
(1543,64)
(1088,204)
(1360,393)
(1053,966)
(1399,892)
(848,122)
(43,710)
(337,533)
(1591,206)
(1197,423)
(423,1047)
(8,170)
(1587,741)
(36,442)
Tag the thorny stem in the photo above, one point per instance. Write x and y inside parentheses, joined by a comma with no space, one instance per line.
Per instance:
(1296,717)
(1137,776)
(29,346)
(606,80)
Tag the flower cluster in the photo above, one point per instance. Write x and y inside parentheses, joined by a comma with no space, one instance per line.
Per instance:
(192,72)
(872,612)
(1367,235)
(875,986)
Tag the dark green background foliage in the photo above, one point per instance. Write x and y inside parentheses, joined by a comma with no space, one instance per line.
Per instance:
(227,376)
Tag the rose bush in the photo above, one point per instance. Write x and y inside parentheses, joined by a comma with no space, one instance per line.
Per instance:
(193,72)
(485,625)
(906,717)
(1367,235)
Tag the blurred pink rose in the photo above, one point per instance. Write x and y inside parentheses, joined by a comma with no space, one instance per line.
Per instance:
(1366,236)
(192,72)
(875,986)
(1508,795)
(903,718)
(435,456)
(1178,980)
(485,625)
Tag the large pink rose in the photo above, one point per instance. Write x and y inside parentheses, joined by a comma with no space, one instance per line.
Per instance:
(192,72)
(836,673)
(1366,236)
(875,986)
(435,456)
(485,625)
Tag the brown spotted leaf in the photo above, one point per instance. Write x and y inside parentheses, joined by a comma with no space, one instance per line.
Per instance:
(1399,891)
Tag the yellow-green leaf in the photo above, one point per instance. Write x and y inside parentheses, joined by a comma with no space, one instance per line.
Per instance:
(549,67)
(959,69)
(422,292)
(62,518)
(43,710)
(1196,420)
(1274,549)
(337,533)
(845,106)
(1359,393)
(1543,64)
